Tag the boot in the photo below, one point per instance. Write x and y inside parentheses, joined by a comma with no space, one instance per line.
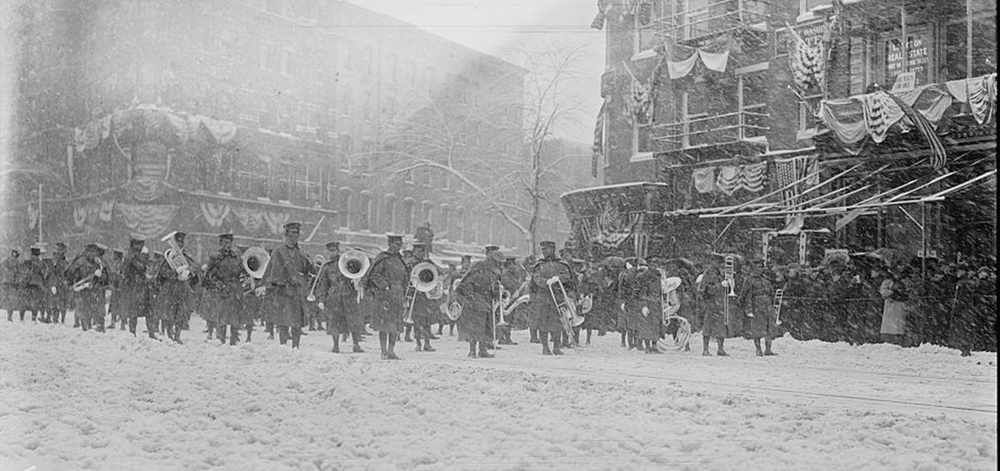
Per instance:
(704,351)
(336,344)
(623,338)
(234,336)
(427,345)
(535,336)
(391,347)
(221,334)
(483,353)
(383,338)
(543,337)
(651,348)
(472,349)
(283,335)
(767,348)
(211,330)
(357,343)
(297,334)
(756,344)
(409,330)
(249,331)
(722,348)
(556,344)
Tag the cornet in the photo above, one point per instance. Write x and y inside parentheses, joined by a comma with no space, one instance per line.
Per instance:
(319,263)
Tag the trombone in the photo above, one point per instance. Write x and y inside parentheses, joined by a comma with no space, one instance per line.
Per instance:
(319,263)
(89,281)
(779,294)
(729,273)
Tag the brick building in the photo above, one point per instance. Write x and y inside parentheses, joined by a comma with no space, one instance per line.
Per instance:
(739,125)
(237,116)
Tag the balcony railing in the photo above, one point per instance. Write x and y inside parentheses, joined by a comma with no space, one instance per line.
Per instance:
(749,125)
(714,18)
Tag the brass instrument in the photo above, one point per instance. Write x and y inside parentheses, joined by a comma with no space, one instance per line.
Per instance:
(670,305)
(88,282)
(730,274)
(423,278)
(499,304)
(354,264)
(175,257)
(779,294)
(567,309)
(255,260)
(454,310)
(319,262)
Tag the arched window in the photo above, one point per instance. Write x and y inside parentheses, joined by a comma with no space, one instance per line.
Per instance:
(346,195)
(367,215)
(389,214)
(445,221)
(426,212)
(409,212)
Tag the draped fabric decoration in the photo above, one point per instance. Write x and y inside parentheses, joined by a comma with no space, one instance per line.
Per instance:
(982,97)
(215,214)
(146,219)
(746,177)
(805,61)
(602,14)
(610,228)
(852,119)
(682,59)
(938,154)
(881,112)
(250,219)
(598,148)
(704,179)
(276,220)
(144,189)
(184,126)
(788,171)
(258,219)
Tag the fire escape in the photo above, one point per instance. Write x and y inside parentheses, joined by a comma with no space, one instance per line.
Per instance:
(711,123)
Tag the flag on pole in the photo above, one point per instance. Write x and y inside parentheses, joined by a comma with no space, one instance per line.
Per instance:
(938,154)
(598,147)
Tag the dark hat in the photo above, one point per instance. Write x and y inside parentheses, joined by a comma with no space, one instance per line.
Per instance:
(394,238)
(242,247)
(491,248)
(119,251)
(547,243)
(176,235)
(226,236)
(136,240)
(419,245)
(466,257)
(101,248)
(60,246)
(15,251)
(294,225)
(35,250)
(332,244)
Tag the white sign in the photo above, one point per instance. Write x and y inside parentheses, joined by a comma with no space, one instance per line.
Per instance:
(905,82)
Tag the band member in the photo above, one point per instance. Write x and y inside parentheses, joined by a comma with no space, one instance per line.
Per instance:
(450,281)
(89,271)
(630,315)
(8,283)
(566,254)
(477,292)
(649,305)
(757,300)
(338,301)
(251,302)
(133,288)
(55,281)
(114,304)
(424,308)
(223,282)
(544,314)
(31,284)
(286,277)
(386,282)
(175,279)
(712,289)
(514,280)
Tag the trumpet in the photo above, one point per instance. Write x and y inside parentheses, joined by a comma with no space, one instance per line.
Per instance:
(567,310)
(319,262)
(423,278)
(779,294)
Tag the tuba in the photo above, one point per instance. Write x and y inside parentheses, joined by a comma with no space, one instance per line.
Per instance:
(423,278)
(353,264)
(254,261)
(175,257)
(566,307)
(668,288)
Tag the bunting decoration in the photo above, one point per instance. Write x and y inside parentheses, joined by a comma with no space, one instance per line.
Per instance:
(681,60)
(746,177)
(598,148)
(881,112)
(215,214)
(610,228)
(982,96)
(602,14)
(638,101)
(806,62)
(704,179)
(148,220)
(792,170)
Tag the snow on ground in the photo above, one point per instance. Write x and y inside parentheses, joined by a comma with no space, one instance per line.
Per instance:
(84,400)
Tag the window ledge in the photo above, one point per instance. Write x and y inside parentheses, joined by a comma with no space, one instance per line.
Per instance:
(804,134)
(641,157)
(646,54)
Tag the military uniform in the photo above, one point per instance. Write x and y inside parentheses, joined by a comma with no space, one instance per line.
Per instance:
(424,309)
(286,279)
(712,292)
(8,284)
(31,285)
(386,283)
(224,284)
(90,307)
(757,300)
(338,298)
(133,289)
(173,295)
(648,303)
(55,284)
(476,293)
(544,315)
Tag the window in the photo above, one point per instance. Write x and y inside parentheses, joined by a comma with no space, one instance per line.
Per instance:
(330,176)
(459,229)
(644,22)
(446,221)
(366,212)
(426,211)
(346,195)
(389,219)
(409,212)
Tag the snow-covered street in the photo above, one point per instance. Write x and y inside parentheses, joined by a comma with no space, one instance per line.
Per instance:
(84,400)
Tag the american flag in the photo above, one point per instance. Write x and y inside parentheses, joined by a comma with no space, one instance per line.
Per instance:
(938,154)
(792,170)
(598,141)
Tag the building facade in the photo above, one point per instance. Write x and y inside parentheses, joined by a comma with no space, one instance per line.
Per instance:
(739,125)
(237,116)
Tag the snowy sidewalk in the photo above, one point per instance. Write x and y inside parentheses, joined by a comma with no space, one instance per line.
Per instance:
(75,400)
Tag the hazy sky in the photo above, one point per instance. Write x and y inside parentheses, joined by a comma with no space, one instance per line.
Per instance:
(493,26)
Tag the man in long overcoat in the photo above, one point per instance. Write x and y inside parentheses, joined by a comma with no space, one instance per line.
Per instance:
(133,288)
(544,315)
(386,283)
(223,282)
(477,292)
(338,301)
(287,278)
(756,296)
(90,300)
(174,288)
